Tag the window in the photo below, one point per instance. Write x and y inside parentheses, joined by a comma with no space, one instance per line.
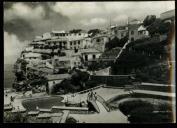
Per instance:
(78,42)
(79,34)
(74,42)
(94,57)
(132,32)
(86,57)
(64,42)
(115,31)
(132,39)
(70,43)
(140,32)
(122,34)
(98,40)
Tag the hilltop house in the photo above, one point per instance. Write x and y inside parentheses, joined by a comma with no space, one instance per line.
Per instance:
(120,31)
(137,31)
(62,40)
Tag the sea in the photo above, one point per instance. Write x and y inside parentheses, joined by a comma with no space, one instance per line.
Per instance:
(9,76)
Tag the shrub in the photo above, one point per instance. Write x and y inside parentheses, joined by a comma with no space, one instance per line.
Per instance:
(71,120)
(127,106)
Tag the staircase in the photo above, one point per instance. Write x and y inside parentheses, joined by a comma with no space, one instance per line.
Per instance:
(121,51)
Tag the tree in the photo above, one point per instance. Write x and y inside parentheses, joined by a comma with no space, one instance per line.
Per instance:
(149,20)
(94,32)
(158,27)
(123,41)
(112,43)
(75,30)
(71,120)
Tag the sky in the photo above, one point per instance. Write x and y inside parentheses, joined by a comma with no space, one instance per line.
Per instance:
(25,20)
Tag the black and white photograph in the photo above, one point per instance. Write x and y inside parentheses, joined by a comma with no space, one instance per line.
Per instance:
(89,62)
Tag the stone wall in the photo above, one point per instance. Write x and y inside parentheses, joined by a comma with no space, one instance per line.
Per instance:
(112,80)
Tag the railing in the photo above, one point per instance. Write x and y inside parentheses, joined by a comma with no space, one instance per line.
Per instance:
(103,102)
(90,89)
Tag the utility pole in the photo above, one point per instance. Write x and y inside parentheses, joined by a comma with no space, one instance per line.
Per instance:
(128,27)
(110,25)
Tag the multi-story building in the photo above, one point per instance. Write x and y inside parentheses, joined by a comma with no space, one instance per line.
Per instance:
(137,31)
(62,40)
(100,41)
(90,54)
(30,56)
(120,31)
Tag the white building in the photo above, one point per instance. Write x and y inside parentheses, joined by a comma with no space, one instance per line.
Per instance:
(99,42)
(31,56)
(137,31)
(135,21)
(90,54)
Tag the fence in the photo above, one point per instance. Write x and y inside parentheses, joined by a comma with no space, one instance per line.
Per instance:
(103,102)
(112,80)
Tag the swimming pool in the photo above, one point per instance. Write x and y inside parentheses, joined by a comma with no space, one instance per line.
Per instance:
(42,102)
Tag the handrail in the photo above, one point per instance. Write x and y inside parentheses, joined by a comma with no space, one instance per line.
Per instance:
(103,102)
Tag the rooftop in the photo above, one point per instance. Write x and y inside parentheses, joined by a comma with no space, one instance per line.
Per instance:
(90,50)
(168,11)
(58,76)
(101,35)
(133,26)
(62,31)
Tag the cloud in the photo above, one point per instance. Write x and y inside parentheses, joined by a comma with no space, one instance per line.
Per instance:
(12,47)
(24,20)
(28,19)
(94,21)
(116,11)
(120,18)
(20,10)
(77,8)
(21,28)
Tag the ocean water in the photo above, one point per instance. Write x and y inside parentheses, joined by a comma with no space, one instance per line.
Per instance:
(9,76)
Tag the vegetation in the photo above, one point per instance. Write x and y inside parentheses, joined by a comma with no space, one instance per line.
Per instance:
(22,118)
(14,118)
(159,27)
(139,111)
(149,20)
(116,42)
(71,120)
(94,32)
(76,83)
(75,30)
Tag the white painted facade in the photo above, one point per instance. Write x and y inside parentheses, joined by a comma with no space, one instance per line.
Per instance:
(99,42)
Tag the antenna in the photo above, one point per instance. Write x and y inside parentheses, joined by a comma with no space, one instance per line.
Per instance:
(110,22)
(128,25)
